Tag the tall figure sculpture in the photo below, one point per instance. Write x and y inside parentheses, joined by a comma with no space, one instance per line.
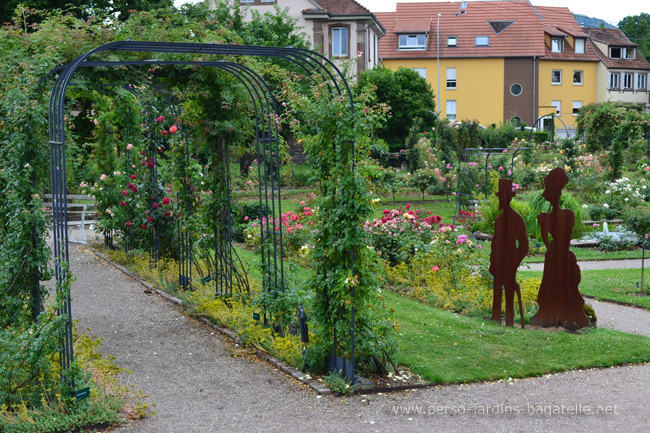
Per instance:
(560,302)
(509,247)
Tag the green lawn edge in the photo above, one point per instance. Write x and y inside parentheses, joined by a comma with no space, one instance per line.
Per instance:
(445,348)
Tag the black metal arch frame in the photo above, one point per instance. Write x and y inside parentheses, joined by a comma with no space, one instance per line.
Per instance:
(266,137)
(487,152)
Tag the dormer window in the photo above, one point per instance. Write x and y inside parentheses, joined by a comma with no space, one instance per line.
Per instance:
(482,41)
(413,42)
(452,41)
(580,46)
(557,45)
(621,53)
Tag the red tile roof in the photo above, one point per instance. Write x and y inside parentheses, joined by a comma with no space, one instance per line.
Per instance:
(616,38)
(611,37)
(412,27)
(341,7)
(525,37)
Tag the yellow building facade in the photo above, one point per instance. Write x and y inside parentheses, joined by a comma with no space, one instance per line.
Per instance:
(468,85)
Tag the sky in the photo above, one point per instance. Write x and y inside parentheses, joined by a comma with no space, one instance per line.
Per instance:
(606,10)
(611,11)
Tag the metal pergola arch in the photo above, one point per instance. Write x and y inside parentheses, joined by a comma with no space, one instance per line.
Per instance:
(305,59)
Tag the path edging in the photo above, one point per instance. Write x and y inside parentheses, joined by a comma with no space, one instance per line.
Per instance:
(285,368)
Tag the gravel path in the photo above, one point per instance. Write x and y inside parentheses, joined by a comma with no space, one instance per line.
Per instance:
(199,384)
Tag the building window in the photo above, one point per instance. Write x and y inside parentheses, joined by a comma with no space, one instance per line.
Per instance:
(339,41)
(580,46)
(557,45)
(628,81)
(621,53)
(613,81)
(558,107)
(641,81)
(451,78)
(452,41)
(577,78)
(516,89)
(577,105)
(451,110)
(482,41)
(556,76)
(413,42)
(421,71)
(245,1)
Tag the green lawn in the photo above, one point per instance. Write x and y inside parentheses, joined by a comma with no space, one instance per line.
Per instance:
(593,254)
(443,347)
(618,285)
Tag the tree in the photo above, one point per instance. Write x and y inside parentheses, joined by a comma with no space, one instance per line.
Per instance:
(121,9)
(637,30)
(409,97)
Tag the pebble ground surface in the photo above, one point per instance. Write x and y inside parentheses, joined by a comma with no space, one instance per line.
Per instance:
(189,372)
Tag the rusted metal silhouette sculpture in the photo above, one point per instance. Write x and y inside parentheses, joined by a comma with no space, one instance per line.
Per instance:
(560,301)
(509,247)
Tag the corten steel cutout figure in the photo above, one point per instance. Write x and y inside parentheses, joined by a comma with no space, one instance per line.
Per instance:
(509,247)
(560,301)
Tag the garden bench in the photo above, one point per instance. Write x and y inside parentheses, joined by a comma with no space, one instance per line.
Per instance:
(81,211)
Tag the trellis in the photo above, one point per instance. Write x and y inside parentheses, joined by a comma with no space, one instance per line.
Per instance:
(267,151)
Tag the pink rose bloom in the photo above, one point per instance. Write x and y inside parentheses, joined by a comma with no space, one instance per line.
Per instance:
(254,224)
(102,177)
(129,146)
(245,218)
(160,119)
(435,269)
(302,203)
(173,129)
(448,165)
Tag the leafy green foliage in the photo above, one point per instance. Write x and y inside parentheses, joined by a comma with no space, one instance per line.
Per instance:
(637,30)
(408,95)
(345,277)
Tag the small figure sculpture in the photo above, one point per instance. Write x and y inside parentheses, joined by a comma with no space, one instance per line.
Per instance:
(560,302)
(509,247)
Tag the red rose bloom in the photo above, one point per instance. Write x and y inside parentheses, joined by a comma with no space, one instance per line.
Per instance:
(166,201)
(144,226)
(124,193)
(155,205)
(122,203)
(149,219)
(128,223)
(133,176)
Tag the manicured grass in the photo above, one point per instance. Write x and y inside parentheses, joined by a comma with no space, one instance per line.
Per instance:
(443,347)
(617,285)
(593,254)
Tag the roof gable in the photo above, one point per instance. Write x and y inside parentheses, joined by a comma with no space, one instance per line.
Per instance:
(513,27)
